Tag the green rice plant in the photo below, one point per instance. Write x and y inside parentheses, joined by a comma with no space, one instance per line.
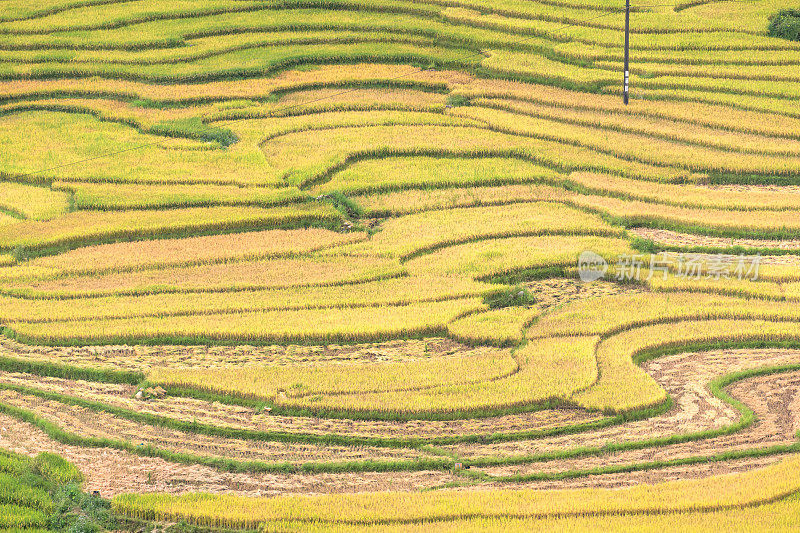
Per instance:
(18,517)
(11,463)
(55,468)
(14,490)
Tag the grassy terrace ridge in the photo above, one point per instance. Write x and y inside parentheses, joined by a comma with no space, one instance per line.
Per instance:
(268,248)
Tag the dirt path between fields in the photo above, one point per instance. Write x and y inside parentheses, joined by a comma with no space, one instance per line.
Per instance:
(775,398)
(673,238)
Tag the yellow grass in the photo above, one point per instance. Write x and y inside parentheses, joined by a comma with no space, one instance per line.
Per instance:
(190,240)
(314,325)
(716,492)
(122,196)
(402,290)
(632,212)
(498,327)
(309,156)
(368,97)
(416,200)
(501,256)
(55,139)
(285,383)
(548,369)
(722,117)
(241,275)
(733,287)
(38,203)
(232,89)
(635,123)
(84,227)
(129,256)
(686,195)
(634,146)
(611,313)
(405,172)
(774,516)
(623,386)
(636,212)
(414,234)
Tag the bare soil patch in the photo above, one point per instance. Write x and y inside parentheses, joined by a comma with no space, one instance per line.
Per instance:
(674,238)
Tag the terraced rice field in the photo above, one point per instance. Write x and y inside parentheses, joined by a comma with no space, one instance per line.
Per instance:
(321,265)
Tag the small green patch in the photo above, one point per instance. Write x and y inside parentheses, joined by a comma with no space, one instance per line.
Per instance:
(194,128)
(511,297)
(343,204)
(457,100)
(45,493)
(78,512)
(785,24)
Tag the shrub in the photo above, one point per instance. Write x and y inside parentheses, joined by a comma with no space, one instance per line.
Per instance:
(786,24)
(513,296)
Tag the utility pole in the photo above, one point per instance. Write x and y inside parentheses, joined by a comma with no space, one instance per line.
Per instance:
(627,32)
